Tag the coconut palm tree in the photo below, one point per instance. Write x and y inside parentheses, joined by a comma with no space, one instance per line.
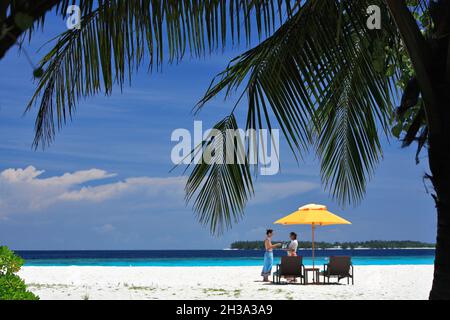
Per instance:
(319,72)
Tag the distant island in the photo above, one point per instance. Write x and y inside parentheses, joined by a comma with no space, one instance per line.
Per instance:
(374,244)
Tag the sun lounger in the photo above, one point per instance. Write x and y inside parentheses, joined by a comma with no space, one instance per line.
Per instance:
(291,268)
(340,268)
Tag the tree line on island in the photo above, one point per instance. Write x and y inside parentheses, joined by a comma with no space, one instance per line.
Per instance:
(373,244)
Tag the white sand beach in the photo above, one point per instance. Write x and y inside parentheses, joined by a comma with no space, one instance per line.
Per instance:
(371,282)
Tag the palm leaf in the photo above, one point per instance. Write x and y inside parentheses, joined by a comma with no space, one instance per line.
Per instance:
(117,35)
(323,87)
(221,188)
(355,103)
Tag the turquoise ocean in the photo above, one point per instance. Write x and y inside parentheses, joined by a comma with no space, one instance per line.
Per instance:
(194,258)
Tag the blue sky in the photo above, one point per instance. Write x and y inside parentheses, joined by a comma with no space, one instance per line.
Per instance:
(105,182)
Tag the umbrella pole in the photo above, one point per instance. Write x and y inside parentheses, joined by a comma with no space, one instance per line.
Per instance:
(314,273)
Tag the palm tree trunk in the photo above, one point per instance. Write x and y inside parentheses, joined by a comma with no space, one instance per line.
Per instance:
(432,68)
(439,159)
(441,282)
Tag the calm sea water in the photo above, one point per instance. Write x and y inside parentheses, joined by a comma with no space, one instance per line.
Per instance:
(192,258)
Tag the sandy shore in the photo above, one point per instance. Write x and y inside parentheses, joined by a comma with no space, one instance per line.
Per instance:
(371,282)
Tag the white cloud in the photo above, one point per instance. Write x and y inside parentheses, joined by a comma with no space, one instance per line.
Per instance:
(150,187)
(31,176)
(270,192)
(23,190)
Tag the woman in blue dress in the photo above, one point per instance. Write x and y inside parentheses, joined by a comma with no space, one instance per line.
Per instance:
(268,255)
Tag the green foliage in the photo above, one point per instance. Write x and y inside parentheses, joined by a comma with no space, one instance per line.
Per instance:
(374,244)
(421,13)
(9,262)
(12,287)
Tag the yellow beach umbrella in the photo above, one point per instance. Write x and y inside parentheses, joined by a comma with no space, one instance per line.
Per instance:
(314,215)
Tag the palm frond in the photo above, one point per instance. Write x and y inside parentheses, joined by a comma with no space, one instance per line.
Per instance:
(221,187)
(270,78)
(357,101)
(325,87)
(116,35)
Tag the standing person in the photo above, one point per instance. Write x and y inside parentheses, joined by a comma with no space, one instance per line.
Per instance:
(293,245)
(268,255)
